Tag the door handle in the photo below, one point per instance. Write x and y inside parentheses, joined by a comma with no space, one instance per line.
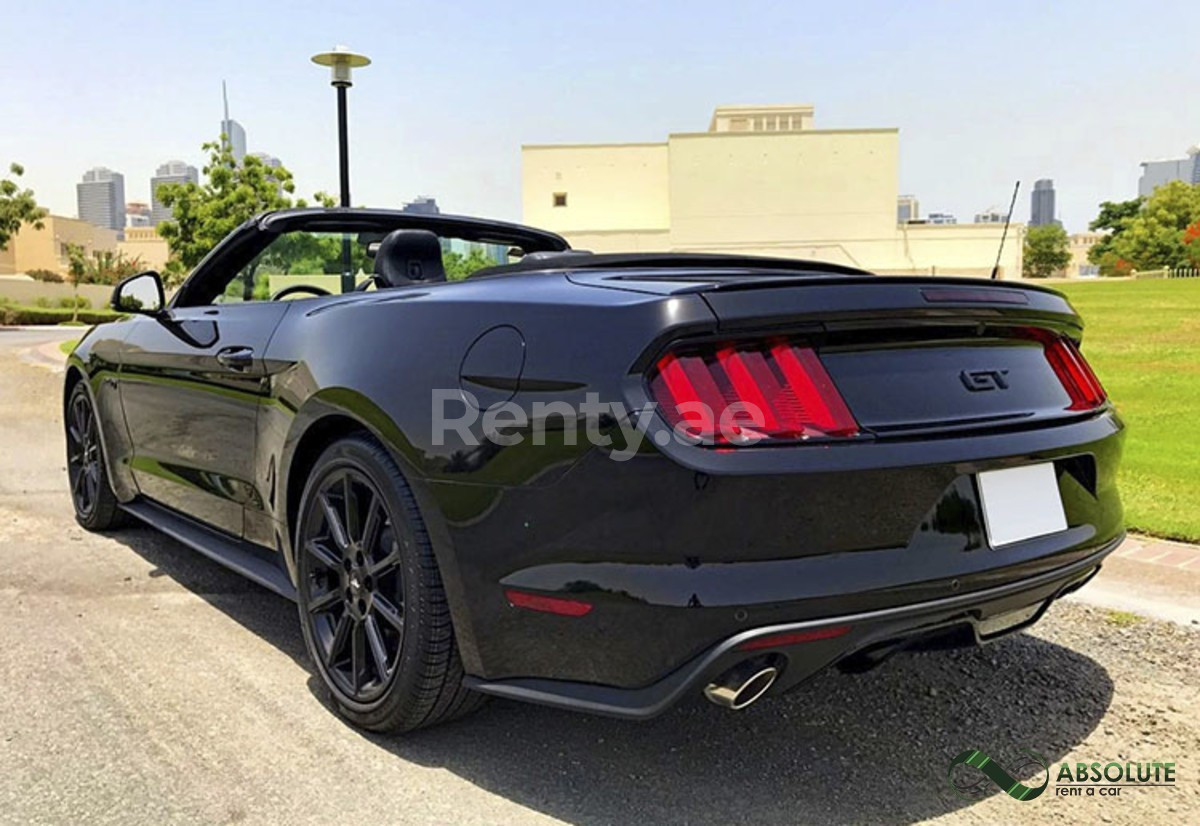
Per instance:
(236,358)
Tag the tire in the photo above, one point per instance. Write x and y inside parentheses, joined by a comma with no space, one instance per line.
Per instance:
(96,506)
(374,614)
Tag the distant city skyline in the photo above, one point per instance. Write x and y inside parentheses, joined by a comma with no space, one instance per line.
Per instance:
(457,132)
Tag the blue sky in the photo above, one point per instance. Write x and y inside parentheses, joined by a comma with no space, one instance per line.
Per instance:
(983,93)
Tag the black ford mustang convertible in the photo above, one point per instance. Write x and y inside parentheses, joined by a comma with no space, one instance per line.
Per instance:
(597,482)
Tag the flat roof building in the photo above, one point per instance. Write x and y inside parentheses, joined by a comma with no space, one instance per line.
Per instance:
(1157,173)
(762,180)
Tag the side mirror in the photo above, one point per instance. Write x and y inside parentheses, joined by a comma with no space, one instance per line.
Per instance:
(141,293)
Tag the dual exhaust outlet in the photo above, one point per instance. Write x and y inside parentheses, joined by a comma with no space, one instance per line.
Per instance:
(743,684)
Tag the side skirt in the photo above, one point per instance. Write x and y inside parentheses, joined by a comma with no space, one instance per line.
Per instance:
(247,559)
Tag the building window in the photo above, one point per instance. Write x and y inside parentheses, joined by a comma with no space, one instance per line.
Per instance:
(560,199)
(739,125)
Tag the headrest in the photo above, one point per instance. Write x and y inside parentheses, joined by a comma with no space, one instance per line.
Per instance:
(409,256)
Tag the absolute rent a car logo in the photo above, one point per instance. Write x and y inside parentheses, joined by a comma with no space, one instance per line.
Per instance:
(972,773)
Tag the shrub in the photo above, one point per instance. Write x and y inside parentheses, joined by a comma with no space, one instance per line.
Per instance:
(53,315)
(42,301)
(45,275)
(79,301)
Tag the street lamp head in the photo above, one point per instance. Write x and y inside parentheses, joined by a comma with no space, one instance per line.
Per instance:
(341,60)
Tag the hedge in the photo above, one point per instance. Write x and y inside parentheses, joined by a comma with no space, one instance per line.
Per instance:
(53,315)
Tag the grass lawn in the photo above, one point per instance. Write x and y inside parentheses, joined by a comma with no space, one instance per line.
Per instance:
(1143,340)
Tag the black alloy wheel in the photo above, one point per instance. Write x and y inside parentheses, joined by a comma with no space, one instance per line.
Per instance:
(372,606)
(96,506)
(355,588)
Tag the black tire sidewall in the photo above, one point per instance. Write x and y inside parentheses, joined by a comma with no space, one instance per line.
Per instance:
(105,510)
(369,459)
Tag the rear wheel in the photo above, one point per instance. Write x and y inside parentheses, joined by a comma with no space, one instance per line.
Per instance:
(374,613)
(96,506)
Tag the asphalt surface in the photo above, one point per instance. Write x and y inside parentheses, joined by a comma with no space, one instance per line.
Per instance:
(141,683)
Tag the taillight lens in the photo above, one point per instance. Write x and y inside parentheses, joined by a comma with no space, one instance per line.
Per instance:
(742,393)
(1072,370)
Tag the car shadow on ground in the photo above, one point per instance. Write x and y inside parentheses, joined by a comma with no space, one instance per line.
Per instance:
(871,748)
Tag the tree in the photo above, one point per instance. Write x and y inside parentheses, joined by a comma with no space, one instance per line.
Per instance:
(76,272)
(458,266)
(1157,235)
(205,213)
(17,207)
(1113,218)
(1046,251)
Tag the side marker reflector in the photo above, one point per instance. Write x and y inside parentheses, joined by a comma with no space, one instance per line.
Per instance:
(547,605)
(794,637)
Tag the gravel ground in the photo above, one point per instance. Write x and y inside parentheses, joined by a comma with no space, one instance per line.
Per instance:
(144,683)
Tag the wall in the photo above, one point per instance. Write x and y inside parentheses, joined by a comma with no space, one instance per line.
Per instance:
(26,291)
(921,249)
(733,189)
(613,187)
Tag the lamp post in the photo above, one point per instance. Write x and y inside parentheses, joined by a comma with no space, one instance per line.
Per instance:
(340,62)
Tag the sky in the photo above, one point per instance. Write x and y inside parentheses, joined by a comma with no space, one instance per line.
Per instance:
(984,94)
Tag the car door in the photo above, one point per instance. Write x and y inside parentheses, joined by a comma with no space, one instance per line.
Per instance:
(191,382)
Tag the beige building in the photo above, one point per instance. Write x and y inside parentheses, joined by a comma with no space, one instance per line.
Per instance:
(46,248)
(147,246)
(1081,244)
(760,181)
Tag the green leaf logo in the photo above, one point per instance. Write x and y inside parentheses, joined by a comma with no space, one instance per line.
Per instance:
(998,775)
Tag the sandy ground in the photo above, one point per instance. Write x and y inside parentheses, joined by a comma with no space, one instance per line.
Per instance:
(141,683)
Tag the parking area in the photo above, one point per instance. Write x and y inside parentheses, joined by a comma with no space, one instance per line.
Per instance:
(141,682)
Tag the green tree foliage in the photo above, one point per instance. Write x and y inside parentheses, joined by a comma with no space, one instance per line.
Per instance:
(76,273)
(108,267)
(1113,218)
(1046,251)
(17,206)
(459,266)
(1156,236)
(232,193)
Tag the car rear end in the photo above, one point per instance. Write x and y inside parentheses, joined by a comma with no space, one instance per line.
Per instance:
(838,467)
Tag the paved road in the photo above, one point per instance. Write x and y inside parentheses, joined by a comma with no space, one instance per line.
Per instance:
(142,683)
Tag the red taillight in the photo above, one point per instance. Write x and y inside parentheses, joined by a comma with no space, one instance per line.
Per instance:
(548,605)
(743,393)
(1072,370)
(794,637)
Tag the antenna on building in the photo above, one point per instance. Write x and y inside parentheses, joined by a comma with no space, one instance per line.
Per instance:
(1004,234)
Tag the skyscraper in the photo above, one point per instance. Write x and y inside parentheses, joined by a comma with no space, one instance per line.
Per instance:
(1041,208)
(172,172)
(232,130)
(907,209)
(1157,173)
(100,198)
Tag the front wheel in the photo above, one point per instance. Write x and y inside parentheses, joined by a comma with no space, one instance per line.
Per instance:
(372,607)
(96,506)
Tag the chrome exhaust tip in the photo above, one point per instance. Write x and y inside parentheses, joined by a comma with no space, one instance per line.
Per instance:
(742,685)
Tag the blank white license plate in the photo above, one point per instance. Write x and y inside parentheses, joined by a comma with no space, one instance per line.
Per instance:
(1021,503)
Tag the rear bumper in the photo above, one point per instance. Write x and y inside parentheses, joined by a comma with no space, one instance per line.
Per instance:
(965,616)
